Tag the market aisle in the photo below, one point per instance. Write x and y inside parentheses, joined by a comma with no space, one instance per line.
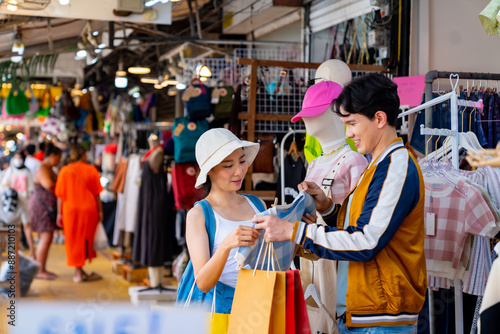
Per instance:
(111,288)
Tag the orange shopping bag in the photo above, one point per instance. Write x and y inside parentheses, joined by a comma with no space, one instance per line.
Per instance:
(259,303)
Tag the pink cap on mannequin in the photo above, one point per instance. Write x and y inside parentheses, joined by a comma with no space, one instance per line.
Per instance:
(318,98)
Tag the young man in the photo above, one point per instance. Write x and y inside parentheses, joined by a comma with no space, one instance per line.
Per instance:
(377,234)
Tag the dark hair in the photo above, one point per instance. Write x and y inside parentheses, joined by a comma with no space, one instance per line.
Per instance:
(41,146)
(52,149)
(30,149)
(21,153)
(207,186)
(367,95)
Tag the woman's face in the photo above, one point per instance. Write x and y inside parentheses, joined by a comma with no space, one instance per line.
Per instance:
(229,174)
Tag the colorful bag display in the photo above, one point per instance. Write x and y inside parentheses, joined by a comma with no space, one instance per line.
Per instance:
(183,181)
(259,304)
(222,99)
(16,102)
(186,133)
(197,97)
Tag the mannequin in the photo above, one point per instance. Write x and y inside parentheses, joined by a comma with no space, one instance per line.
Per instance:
(328,129)
(151,224)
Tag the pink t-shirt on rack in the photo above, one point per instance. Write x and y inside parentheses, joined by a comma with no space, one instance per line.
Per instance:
(455,217)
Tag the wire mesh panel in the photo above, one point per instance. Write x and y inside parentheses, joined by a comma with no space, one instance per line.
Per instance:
(220,69)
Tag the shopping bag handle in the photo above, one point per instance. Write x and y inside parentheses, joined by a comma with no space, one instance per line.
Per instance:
(188,300)
(271,257)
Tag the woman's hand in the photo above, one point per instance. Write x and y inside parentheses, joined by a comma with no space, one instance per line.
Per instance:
(240,236)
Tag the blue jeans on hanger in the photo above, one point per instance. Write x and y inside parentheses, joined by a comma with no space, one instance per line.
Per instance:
(405,329)
(496,118)
(491,111)
(477,126)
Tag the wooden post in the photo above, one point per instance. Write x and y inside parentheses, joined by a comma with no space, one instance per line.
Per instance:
(252,105)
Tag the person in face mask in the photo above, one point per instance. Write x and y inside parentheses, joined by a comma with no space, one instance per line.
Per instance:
(19,178)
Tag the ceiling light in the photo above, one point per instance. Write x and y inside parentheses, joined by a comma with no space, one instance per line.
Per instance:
(136,95)
(16,59)
(101,46)
(203,79)
(172,91)
(158,86)
(12,5)
(91,88)
(205,71)
(150,3)
(18,46)
(149,80)
(97,50)
(139,70)
(81,54)
(95,33)
(180,86)
(64,2)
(121,82)
(121,73)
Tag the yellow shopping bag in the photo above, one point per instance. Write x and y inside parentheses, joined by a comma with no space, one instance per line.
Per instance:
(218,323)
(259,304)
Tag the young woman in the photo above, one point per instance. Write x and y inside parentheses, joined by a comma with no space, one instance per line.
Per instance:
(43,207)
(220,223)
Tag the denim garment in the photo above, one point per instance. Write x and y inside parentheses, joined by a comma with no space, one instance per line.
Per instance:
(491,110)
(496,119)
(478,126)
(439,120)
(404,329)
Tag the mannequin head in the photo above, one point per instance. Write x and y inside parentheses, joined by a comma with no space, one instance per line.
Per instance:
(153,140)
(334,70)
(327,127)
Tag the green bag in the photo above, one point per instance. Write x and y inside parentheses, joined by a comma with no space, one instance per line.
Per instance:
(16,102)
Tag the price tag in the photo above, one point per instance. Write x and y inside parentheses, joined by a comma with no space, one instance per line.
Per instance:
(430,224)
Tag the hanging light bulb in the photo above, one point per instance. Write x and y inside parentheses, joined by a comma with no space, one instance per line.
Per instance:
(205,71)
(64,2)
(121,82)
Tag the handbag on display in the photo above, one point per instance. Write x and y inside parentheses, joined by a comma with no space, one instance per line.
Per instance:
(16,102)
(259,304)
(264,161)
(186,133)
(222,99)
(198,100)
(183,182)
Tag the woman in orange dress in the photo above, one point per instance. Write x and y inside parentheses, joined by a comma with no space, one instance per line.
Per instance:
(79,210)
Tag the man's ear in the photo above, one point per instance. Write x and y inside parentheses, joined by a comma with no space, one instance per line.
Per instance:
(381,118)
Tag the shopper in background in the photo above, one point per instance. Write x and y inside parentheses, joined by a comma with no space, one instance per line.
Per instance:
(378,231)
(79,210)
(31,162)
(41,151)
(223,161)
(19,178)
(43,208)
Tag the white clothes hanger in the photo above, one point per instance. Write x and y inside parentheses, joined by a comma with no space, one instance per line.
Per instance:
(312,291)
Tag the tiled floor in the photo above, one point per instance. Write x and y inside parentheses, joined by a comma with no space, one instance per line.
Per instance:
(111,289)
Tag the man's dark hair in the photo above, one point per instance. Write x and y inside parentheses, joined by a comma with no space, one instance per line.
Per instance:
(52,149)
(367,95)
(30,149)
(41,146)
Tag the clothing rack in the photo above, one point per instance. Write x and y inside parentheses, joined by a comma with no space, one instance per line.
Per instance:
(429,79)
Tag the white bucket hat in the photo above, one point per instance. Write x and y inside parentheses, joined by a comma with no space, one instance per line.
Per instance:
(215,145)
